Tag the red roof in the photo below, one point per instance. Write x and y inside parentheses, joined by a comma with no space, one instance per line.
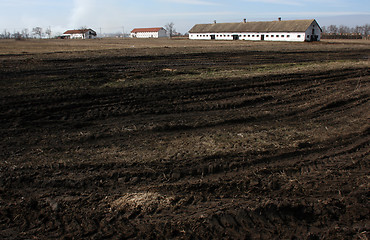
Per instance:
(136,30)
(78,31)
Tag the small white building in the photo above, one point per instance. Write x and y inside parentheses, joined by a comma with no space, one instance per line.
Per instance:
(80,34)
(158,32)
(291,30)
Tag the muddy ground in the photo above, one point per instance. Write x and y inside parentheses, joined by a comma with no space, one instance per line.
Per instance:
(189,145)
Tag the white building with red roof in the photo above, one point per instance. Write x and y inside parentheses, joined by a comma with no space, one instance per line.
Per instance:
(80,34)
(158,32)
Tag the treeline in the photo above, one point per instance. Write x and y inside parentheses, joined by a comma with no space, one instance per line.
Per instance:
(345,32)
(36,32)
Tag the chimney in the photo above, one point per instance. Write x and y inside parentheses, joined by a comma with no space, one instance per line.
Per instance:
(245,20)
(215,22)
(279,19)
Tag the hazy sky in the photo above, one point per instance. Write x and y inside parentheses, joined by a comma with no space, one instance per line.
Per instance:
(124,15)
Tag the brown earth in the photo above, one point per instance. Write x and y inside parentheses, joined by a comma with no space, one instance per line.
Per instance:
(186,144)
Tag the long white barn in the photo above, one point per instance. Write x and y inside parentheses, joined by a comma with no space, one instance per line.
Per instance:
(291,30)
(148,33)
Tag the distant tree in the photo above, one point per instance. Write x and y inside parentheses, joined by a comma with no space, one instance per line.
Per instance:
(343,29)
(324,29)
(357,29)
(37,31)
(17,35)
(333,29)
(6,34)
(48,32)
(170,29)
(366,29)
(25,33)
(347,32)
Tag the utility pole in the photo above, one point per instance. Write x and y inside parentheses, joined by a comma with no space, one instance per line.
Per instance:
(123,31)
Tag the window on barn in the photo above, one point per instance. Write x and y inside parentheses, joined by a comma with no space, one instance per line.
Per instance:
(267,35)
(272,35)
(299,36)
(249,35)
(308,36)
(282,35)
(277,35)
(287,36)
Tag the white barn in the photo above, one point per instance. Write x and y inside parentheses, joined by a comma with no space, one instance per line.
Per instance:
(80,34)
(158,32)
(291,30)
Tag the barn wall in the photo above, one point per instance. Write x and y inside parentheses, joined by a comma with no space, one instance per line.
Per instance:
(77,36)
(90,35)
(273,36)
(162,33)
(314,28)
(149,34)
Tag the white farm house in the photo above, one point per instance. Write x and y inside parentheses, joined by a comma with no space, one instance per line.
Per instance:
(80,34)
(148,33)
(291,30)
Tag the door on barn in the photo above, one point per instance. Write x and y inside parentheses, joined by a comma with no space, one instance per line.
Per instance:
(213,37)
(235,37)
(262,37)
(313,36)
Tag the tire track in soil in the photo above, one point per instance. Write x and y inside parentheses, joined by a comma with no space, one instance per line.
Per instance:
(317,189)
(163,100)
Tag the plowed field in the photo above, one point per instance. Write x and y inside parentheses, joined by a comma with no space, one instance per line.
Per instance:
(233,142)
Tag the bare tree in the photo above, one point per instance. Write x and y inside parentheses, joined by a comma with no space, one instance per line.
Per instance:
(6,34)
(333,29)
(17,35)
(344,29)
(25,33)
(170,29)
(366,29)
(48,32)
(37,31)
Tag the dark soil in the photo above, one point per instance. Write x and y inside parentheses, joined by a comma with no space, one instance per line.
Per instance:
(275,156)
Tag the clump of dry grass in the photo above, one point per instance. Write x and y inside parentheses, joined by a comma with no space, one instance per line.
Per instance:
(142,201)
